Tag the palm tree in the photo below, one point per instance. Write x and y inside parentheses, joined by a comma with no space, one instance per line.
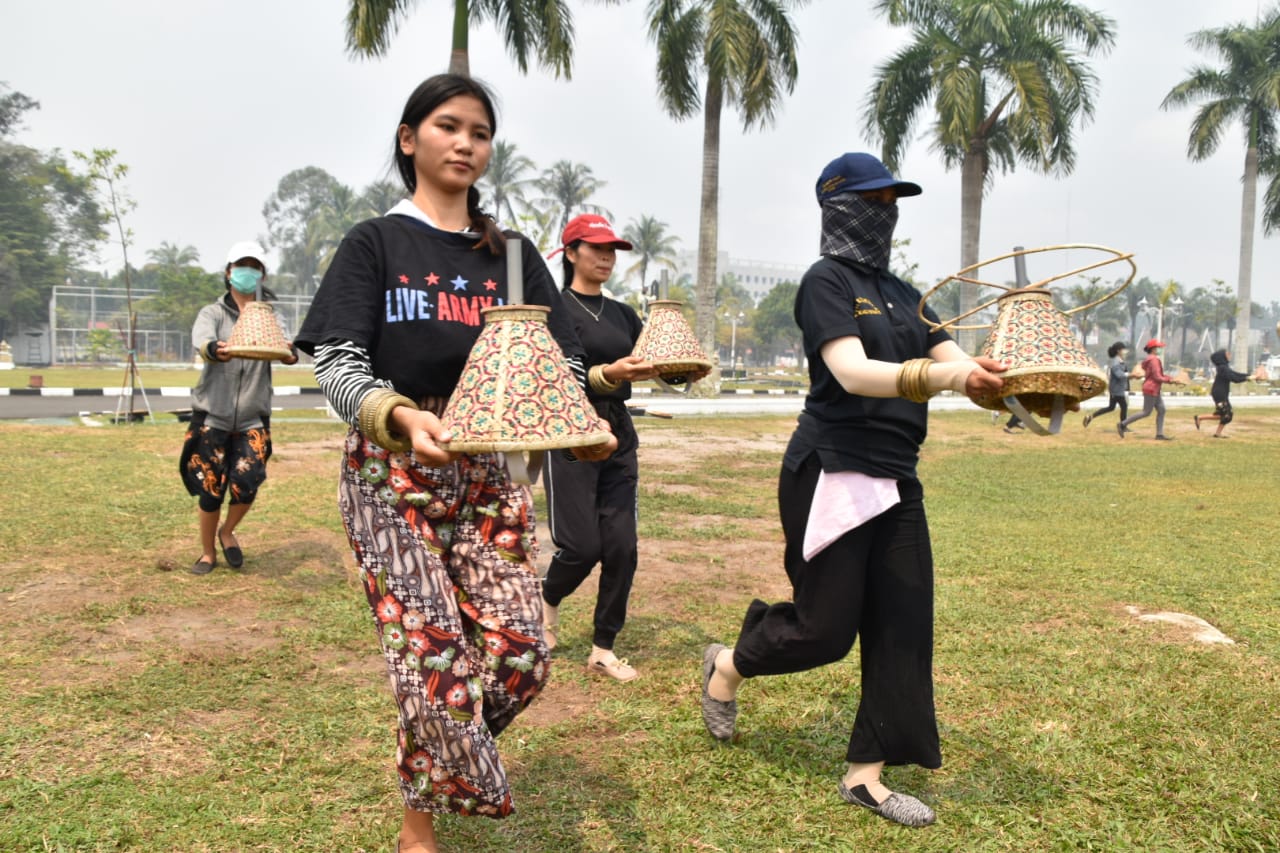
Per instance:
(541,30)
(1246,87)
(171,255)
(568,186)
(744,52)
(504,180)
(652,245)
(1005,82)
(379,197)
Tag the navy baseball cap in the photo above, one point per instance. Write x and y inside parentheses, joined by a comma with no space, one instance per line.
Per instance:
(851,173)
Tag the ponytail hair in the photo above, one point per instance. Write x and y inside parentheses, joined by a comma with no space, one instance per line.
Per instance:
(491,237)
(424,100)
(567,266)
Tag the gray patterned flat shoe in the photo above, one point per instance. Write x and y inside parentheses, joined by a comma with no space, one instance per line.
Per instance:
(718,716)
(899,808)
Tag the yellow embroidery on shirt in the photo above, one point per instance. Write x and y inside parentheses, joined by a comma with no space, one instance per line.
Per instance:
(863,307)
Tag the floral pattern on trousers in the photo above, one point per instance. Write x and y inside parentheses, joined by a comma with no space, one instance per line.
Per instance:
(446,558)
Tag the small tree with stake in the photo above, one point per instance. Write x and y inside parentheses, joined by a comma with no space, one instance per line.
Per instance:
(106,175)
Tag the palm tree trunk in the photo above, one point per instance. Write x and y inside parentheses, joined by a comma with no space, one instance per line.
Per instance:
(1244,296)
(973,170)
(708,247)
(458,61)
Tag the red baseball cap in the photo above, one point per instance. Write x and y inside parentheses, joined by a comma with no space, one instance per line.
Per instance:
(1152,344)
(589,228)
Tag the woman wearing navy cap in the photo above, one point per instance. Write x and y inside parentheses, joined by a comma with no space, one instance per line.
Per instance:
(857,543)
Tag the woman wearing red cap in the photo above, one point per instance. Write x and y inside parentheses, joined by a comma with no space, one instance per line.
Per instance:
(444,541)
(852,508)
(1154,379)
(591,506)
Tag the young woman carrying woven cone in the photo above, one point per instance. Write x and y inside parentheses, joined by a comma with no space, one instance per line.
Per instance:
(228,441)
(857,543)
(591,506)
(444,541)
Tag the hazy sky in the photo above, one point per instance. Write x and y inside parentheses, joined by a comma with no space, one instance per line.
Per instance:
(211,103)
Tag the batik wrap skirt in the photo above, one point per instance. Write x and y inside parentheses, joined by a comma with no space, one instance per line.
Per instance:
(446,556)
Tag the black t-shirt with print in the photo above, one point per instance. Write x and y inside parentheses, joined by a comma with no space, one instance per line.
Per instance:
(411,295)
(880,437)
(608,330)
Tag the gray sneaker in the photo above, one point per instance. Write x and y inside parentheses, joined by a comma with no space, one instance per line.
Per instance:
(899,808)
(718,716)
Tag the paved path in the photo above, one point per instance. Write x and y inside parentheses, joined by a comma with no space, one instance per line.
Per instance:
(67,403)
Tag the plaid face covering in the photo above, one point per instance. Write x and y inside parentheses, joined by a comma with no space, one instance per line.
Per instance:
(857,229)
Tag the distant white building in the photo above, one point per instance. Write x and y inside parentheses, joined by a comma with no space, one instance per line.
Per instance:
(757,277)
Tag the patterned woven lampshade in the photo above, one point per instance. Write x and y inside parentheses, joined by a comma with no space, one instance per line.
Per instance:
(668,342)
(1049,368)
(516,392)
(257,335)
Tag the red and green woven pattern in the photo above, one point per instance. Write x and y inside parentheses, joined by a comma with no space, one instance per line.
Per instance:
(516,391)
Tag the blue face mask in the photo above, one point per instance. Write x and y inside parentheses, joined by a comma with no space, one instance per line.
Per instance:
(245,279)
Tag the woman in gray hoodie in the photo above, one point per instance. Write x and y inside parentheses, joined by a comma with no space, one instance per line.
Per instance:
(1117,383)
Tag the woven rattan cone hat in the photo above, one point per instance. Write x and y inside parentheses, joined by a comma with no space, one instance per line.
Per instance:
(516,392)
(257,334)
(668,343)
(1048,366)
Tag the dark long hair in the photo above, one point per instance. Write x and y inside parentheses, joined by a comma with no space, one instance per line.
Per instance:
(429,95)
(566,279)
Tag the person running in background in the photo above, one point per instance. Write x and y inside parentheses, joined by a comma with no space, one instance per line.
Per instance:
(1221,392)
(228,442)
(1117,383)
(1154,378)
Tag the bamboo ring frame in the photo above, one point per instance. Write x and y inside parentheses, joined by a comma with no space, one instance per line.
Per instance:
(963,276)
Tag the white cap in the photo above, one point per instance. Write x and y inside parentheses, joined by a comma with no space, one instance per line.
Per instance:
(247,249)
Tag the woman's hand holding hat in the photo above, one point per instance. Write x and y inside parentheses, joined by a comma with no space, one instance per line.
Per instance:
(598,452)
(425,432)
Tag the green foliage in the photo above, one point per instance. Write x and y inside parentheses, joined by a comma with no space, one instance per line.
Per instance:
(49,220)
(652,246)
(105,345)
(505,181)
(1004,78)
(774,321)
(565,187)
(532,31)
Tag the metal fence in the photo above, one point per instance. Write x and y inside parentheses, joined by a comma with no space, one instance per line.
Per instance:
(89,325)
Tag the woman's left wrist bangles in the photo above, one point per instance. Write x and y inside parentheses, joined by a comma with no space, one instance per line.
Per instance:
(596,379)
(375,419)
(913,380)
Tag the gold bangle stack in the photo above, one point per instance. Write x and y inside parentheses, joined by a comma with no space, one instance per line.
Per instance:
(375,416)
(913,380)
(597,380)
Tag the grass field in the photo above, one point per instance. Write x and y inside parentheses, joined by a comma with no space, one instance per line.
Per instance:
(146,709)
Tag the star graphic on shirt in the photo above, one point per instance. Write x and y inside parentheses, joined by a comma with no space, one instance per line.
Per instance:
(432,279)
(459,283)
(490,284)
(404,279)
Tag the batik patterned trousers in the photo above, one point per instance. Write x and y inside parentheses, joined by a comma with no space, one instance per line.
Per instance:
(446,557)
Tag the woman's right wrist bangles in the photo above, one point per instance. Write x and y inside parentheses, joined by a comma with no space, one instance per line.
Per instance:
(913,380)
(596,379)
(374,419)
